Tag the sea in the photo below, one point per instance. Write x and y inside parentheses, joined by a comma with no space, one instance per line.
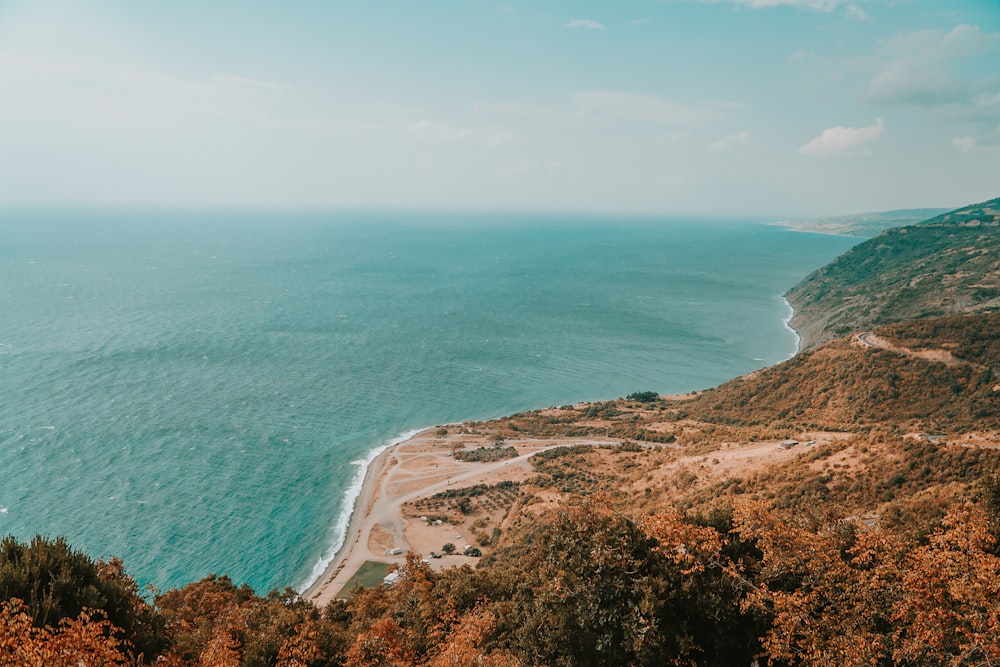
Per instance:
(199,392)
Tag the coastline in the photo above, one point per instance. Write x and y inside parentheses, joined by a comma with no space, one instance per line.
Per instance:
(383,528)
(352,498)
(787,321)
(329,565)
(415,465)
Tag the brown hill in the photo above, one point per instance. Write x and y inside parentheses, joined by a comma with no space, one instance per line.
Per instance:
(937,375)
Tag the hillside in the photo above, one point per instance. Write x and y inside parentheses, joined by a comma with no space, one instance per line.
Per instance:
(947,265)
(839,508)
(842,507)
(934,375)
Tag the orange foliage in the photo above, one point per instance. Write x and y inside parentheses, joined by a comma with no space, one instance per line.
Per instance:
(464,646)
(300,649)
(223,648)
(828,589)
(384,645)
(683,542)
(949,612)
(79,641)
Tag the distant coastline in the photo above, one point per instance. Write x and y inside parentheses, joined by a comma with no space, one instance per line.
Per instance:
(861,225)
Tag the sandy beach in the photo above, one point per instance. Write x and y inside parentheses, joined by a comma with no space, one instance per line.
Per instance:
(396,509)
(384,521)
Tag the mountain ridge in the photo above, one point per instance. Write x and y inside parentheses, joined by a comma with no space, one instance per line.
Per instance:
(945,265)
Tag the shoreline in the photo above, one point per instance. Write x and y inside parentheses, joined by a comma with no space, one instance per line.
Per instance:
(787,321)
(369,503)
(385,525)
(330,565)
(352,498)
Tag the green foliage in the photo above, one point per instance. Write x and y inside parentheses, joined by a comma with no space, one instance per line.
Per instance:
(486,454)
(643,396)
(945,265)
(57,582)
(590,588)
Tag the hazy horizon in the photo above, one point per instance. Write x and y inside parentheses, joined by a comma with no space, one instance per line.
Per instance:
(736,108)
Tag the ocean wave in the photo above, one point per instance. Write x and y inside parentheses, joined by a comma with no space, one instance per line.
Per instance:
(350,501)
(787,321)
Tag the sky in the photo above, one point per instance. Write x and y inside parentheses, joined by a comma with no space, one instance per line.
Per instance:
(680,107)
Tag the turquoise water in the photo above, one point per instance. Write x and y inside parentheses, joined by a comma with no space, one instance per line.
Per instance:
(193,391)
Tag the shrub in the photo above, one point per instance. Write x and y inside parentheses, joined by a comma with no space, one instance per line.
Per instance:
(56,582)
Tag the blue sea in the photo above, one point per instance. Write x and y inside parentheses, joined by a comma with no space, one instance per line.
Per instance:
(197,392)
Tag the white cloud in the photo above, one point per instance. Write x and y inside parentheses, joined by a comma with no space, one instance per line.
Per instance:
(670,137)
(534,168)
(923,68)
(247,82)
(987,138)
(816,5)
(499,138)
(585,23)
(643,108)
(798,56)
(856,13)
(732,141)
(425,129)
(840,140)
(964,144)
(513,109)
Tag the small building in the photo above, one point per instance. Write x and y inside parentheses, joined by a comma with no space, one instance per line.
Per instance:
(392,578)
(394,551)
(788,443)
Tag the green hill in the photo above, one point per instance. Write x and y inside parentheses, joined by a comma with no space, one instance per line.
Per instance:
(947,265)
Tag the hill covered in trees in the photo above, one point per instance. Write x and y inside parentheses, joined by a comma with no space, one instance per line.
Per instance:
(947,265)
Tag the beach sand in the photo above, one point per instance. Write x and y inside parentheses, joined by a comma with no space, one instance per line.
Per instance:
(413,469)
(386,522)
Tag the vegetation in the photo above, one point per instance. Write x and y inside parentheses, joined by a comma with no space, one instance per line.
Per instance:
(844,385)
(873,542)
(486,454)
(946,265)
(54,583)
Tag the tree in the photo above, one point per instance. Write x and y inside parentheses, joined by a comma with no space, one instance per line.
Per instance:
(465,646)
(85,640)
(382,645)
(828,588)
(56,582)
(949,609)
(590,590)
(448,548)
